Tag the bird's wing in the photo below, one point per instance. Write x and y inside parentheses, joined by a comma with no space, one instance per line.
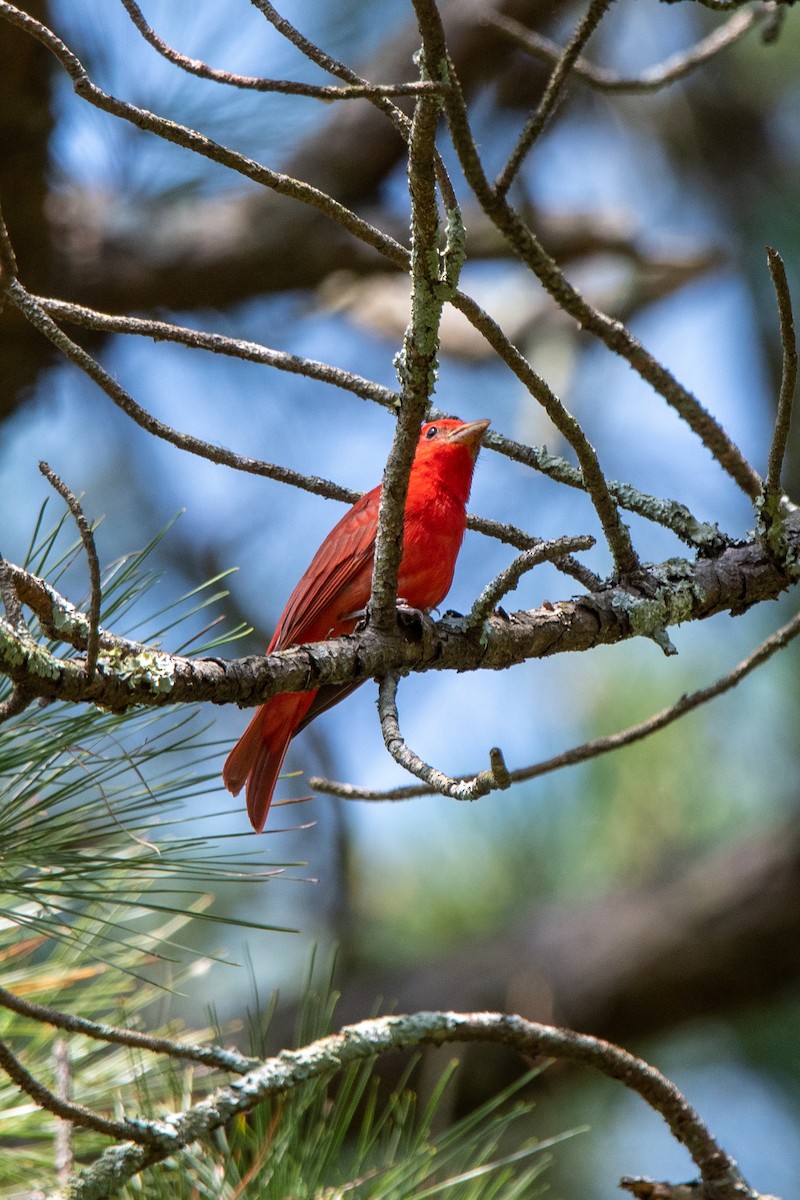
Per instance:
(343,559)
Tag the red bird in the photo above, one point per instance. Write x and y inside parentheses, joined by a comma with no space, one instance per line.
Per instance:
(332,594)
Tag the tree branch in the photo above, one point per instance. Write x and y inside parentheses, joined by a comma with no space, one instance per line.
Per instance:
(259,84)
(674,592)
(602,745)
(357,1043)
(564,66)
(676,67)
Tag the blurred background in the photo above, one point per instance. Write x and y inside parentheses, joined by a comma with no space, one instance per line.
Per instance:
(652,896)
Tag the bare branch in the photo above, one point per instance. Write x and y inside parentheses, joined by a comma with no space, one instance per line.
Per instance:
(209,1056)
(612,333)
(471,788)
(87,537)
(510,576)
(780,437)
(602,745)
(555,86)
(356,1043)
(258,84)
(592,477)
(184,441)
(190,139)
(140,1131)
(676,67)
(218,343)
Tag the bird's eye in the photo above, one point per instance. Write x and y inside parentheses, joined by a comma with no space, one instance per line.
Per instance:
(432,432)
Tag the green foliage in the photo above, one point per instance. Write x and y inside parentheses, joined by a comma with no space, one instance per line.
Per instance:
(89,819)
(343,1136)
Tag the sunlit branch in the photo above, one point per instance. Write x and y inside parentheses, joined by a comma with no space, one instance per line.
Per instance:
(507,580)
(552,93)
(613,333)
(355,1043)
(676,67)
(258,84)
(602,745)
(190,139)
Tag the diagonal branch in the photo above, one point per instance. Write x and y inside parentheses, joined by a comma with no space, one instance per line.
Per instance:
(208,1056)
(552,94)
(524,243)
(780,437)
(87,537)
(676,67)
(190,139)
(259,84)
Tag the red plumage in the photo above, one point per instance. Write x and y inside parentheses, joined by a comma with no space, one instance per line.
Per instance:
(332,594)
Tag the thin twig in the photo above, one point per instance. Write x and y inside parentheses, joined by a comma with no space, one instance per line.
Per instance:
(512,536)
(142,1132)
(524,243)
(184,441)
(87,537)
(507,580)
(472,788)
(783,418)
(555,85)
(334,66)
(209,1056)
(669,513)
(354,1043)
(591,475)
(602,745)
(218,343)
(259,84)
(676,67)
(191,139)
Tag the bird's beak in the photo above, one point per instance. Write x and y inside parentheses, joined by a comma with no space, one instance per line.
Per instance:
(470,435)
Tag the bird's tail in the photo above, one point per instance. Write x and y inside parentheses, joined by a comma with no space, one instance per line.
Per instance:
(256,759)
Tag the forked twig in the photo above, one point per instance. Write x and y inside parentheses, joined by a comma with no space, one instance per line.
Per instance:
(259,84)
(555,85)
